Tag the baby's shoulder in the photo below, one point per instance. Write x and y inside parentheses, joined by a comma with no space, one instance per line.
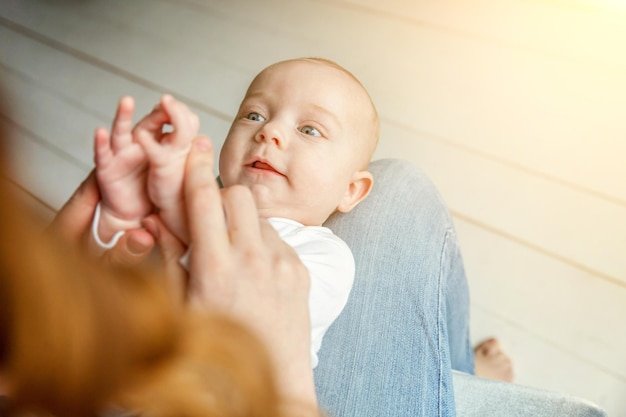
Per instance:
(311,237)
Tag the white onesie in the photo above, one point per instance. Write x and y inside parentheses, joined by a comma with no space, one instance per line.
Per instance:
(331,268)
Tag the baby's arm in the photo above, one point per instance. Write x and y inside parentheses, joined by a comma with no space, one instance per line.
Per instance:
(121,173)
(167,154)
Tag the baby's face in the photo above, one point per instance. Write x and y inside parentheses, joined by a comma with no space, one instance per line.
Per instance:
(301,133)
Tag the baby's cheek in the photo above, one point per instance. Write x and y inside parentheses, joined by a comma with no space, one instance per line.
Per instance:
(228,153)
(227,178)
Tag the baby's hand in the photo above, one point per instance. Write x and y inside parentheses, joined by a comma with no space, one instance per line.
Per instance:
(121,169)
(121,173)
(167,154)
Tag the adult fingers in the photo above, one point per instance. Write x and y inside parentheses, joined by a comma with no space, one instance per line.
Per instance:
(241,215)
(171,250)
(293,275)
(211,255)
(132,249)
(74,218)
(207,225)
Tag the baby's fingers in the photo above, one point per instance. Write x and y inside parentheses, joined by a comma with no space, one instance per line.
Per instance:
(103,153)
(121,131)
(151,126)
(185,122)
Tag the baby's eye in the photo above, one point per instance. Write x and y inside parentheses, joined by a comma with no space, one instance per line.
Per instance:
(255,117)
(308,130)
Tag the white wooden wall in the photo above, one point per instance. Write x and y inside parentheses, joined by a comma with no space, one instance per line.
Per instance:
(515,108)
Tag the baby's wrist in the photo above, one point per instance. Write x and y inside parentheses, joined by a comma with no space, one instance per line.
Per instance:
(109,225)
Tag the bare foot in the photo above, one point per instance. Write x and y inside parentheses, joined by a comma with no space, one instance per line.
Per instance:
(492,362)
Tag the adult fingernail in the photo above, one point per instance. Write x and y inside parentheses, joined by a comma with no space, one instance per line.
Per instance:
(135,247)
(203,143)
(151,226)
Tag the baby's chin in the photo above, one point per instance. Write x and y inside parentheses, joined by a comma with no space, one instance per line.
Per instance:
(265,201)
(270,205)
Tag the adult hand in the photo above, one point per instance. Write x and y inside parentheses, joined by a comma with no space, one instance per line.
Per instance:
(240,266)
(73,222)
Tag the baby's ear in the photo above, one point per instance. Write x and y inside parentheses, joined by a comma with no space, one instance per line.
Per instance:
(359,188)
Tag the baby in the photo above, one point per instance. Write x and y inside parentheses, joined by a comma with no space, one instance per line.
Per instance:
(301,141)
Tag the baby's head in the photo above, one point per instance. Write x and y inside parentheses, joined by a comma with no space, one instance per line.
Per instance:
(302,139)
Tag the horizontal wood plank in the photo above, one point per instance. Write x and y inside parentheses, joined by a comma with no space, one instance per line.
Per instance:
(557,302)
(541,364)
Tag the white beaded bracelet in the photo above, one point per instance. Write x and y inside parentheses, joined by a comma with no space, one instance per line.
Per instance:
(94,231)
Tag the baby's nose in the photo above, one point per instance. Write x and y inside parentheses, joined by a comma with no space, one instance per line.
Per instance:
(270,135)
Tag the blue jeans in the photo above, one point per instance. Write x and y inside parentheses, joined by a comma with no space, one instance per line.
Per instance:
(406,324)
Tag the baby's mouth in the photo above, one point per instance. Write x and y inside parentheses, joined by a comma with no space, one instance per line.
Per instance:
(264,166)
